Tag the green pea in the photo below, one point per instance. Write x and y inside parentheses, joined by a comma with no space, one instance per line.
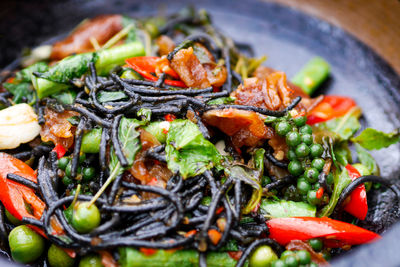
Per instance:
(306,129)
(67,180)
(85,218)
(262,256)
(91,260)
(316,150)
(329,179)
(282,128)
(12,219)
(293,139)
(312,197)
(88,173)
(57,257)
(295,167)
(306,139)
(278,263)
(318,163)
(302,150)
(326,255)
(25,244)
(63,162)
(300,121)
(291,261)
(311,175)
(316,244)
(304,256)
(303,186)
(291,155)
(286,254)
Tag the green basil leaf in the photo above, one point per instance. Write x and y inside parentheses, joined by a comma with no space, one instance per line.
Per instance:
(188,151)
(19,91)
(373,139)
(69,68)
(342,153)
(258,159)
(130,143)
(341,179)
(283,209)
(342,128)
(105,96)
(367,160)
(222,100)
(65,97)
(74,120)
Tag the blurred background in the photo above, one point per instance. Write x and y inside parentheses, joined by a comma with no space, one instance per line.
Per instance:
(374,22)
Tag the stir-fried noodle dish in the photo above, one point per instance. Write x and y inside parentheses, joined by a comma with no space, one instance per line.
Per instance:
(162,142)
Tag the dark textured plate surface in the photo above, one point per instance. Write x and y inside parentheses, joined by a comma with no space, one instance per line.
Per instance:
(289,38)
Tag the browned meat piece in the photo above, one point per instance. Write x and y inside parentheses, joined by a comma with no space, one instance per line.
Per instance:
(189,69)
(57,128)
(165,45)
(101,28)
(246,128)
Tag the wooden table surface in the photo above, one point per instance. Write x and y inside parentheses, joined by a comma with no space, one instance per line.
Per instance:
(374,22)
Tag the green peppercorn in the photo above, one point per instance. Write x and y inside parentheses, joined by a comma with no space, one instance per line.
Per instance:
(68,169)
(316,244)
(329,179)
(278,263)
(291,155)
(282,128)
(25,244)
(66,180)
(313,264)
(304,256)
(302,150)
(303,186)
(291,261)
(312,197)
(88,174)
(265,180)
(306,129)
(286,254)
(63,162)
(318,163)
(311,175)
(82,158)
(326,255)
(293,139)
(295,167)
(85,218)
(316,150)
(262,256)
(300,121)
(306,139)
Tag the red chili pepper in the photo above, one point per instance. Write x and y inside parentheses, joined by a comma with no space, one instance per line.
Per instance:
(60,150)
(236,255)
(334,233)
(214,236)
(170,117)
(190,233)
(146,66)
(320,192)
(330,107)
(219,210)
(148,251)
(165,131)
(357,205)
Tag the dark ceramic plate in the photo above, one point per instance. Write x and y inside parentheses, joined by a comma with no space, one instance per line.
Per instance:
(289,39)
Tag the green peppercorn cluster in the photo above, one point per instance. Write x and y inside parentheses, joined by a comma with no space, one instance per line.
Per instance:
(292,258)
(305,161)
(85,172)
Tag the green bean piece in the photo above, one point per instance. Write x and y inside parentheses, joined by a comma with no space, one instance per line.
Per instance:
(312,75)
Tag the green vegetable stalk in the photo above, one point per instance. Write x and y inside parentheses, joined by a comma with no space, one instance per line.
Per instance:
(131,257)
(312,75)
(57,77)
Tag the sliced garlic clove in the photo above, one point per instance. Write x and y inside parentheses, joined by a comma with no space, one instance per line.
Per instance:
(18,124)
